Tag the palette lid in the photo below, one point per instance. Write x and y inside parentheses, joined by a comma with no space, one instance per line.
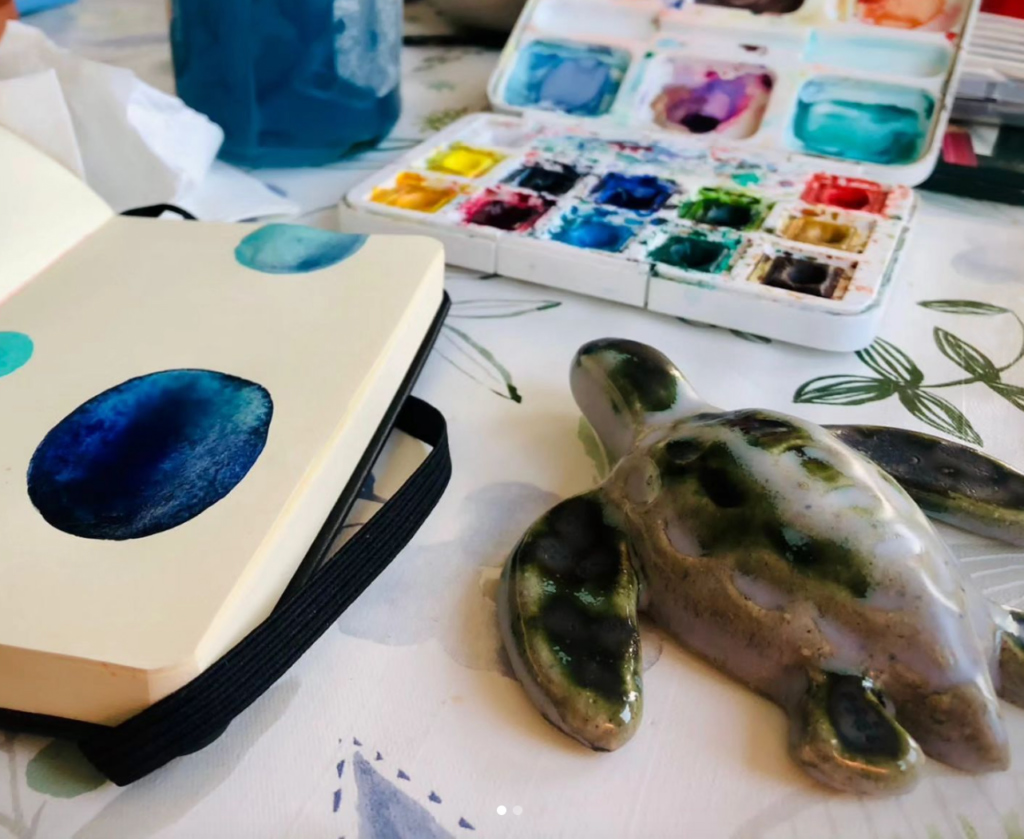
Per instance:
(856,87)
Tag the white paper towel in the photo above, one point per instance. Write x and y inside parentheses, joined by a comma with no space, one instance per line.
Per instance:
(133,144)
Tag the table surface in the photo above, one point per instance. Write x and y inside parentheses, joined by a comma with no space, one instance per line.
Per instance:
(403,721)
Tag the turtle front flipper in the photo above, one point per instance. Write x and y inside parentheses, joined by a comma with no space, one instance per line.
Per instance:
(621,386)
(949,481)
(568,613)
(843,735)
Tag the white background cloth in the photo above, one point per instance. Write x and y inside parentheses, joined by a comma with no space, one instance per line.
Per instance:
(402,721)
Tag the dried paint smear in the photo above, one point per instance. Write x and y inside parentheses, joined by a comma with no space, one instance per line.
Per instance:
(726,208)
(826,228)
(551,178)
(861,120)
(802,275)
(465,161)
(639,193)
(720,98)
(414,192)
(598,230)
(696,251)
(909,14)
(578,79)
(505,209)
(846,193)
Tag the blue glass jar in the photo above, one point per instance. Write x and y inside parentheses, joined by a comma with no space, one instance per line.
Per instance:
(291,82)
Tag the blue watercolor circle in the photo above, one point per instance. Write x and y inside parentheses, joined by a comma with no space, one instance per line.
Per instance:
(294,249)
(15,350)
(149,454)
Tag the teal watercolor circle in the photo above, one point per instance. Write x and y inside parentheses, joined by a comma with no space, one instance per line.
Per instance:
(15,351)
(295,249)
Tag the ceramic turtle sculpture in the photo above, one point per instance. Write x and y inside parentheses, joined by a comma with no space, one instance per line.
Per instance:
(786,554)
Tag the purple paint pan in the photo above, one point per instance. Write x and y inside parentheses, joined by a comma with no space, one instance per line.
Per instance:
(702,97)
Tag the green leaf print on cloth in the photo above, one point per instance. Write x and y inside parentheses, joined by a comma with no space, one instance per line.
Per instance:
(467,355)
(897,374)
(58,770)
(746,336)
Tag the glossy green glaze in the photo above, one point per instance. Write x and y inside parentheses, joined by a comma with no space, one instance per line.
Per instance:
(568,606)
(950,482)
(774,550)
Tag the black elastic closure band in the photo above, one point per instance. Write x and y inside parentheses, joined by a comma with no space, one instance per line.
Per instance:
(157,210)
(198,713)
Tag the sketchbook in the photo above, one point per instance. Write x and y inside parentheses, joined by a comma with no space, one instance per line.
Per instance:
(182,404)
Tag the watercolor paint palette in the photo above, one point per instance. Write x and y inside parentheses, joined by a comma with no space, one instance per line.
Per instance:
(734,161)
(183,405)
(769,245)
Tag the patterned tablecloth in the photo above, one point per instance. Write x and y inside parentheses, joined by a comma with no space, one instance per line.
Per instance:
(403,721)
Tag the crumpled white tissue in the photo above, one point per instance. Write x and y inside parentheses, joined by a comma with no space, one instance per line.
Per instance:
(134,145)
(33,107)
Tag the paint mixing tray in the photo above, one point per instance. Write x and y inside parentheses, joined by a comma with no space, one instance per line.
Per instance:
(854,81)
(745,163)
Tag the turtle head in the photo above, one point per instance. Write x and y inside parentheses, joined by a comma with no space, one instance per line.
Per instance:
(623,387)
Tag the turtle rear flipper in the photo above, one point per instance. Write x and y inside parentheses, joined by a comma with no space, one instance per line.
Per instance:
(568,614)
(844,736)
(949,481)
(1011,660)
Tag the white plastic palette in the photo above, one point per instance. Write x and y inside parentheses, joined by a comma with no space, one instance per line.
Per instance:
(715,238)
(732,164)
